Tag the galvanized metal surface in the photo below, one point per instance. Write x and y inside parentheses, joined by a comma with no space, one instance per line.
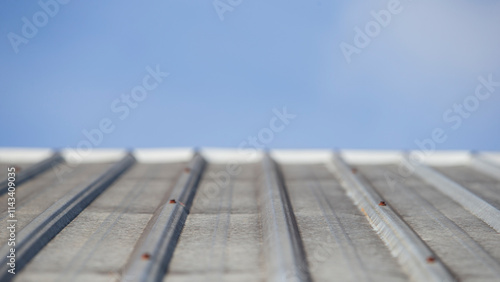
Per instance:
(26,171)
(218,215)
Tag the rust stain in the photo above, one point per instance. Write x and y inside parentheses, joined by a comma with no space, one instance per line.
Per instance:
(364,212)
(431,259)
(187,169)
(382,204)
(172,202)
(354,170)
(146,256)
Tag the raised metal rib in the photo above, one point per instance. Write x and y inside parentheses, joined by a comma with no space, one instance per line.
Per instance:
(150,260)
(485,166)
(420,263)
(283,245)
(470,201)
(449,230)
(48,224)
(32,171)
(88,250)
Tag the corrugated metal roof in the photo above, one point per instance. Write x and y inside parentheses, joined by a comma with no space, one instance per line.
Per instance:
(228,215)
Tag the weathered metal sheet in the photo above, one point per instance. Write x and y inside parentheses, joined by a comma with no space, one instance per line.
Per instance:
(285,216)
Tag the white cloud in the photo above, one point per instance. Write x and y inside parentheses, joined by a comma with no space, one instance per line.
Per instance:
(464,35)
(446,35)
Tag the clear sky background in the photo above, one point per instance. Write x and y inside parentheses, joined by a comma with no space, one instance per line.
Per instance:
(226,76)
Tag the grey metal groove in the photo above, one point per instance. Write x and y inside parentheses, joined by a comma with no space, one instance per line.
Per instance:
(451,230)
(416,258)
(45,186)
(337,230)
(485,166)
(47,225)
(96,239)
(150,260)
(32,171)
(283,245)
(470,201)
(220,234)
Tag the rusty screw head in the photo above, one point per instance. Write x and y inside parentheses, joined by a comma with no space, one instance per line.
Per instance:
(146,256)
(172,202)
(382,204)
(431,259)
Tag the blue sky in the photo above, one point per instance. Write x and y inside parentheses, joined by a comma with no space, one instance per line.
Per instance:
(226,76)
